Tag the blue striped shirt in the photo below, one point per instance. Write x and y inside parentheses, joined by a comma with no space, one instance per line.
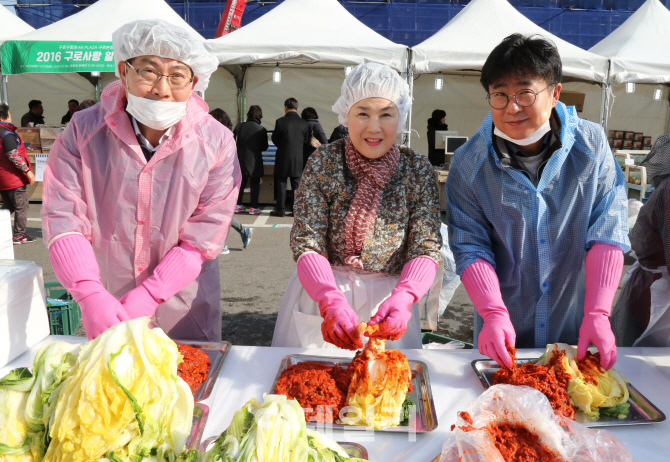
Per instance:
(536,238)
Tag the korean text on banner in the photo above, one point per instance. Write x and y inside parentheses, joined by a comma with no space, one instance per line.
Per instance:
(21,56)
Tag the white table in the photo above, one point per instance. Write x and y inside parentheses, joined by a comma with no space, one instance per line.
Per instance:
(250,371)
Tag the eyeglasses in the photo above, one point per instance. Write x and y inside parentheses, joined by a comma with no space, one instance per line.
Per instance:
(523,98)
(151,77)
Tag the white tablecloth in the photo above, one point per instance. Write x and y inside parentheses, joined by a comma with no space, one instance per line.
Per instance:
(248,372)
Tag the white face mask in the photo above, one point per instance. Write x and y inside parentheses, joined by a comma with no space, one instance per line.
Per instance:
(159,115)
(533,138)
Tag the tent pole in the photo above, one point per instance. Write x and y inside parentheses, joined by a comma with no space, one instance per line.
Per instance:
(3,89)
(409,75)
(604,108)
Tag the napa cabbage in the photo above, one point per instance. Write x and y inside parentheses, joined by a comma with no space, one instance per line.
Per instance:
(122,400)
(16,443)
(590,389)
(273,430)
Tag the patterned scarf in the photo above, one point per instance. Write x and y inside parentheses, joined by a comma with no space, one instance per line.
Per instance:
(372,176)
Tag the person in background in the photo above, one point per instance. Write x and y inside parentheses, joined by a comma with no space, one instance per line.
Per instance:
(315,132)
(145,184)
(252,140)
(33,117)
(339,133)
(72,107)
(366,236)
(245,233)
(222,117)
(291,133)
(436,122)
(641,316)
(15,175)
(537,212)
(87,103)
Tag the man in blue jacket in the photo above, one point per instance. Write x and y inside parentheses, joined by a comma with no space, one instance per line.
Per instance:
(537,212)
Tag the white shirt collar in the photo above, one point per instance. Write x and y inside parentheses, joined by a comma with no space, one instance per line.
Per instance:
(145,141)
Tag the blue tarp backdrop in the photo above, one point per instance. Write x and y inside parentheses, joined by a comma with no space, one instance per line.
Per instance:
(580,22)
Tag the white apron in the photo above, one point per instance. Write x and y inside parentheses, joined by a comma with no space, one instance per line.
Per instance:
(657,333)
(299,321)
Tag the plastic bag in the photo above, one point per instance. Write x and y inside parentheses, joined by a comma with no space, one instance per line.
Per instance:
(527,407)
(634,207)
(453,345)
(450,280)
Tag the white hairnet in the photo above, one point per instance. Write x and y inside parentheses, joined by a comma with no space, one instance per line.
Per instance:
(373,80)
(155,37)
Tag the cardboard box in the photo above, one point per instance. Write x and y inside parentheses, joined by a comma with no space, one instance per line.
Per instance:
(441,177)
(30,137)
(24,321)
(629,135)
(619,134)
(50,133)
(646,140)
(611,142)
(6,242)
(618,143)
(637,144)
(47,144)
(573,98)
(638,136)
(611,134)
(627,144)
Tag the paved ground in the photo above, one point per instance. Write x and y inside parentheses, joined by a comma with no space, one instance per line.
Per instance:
(253,280)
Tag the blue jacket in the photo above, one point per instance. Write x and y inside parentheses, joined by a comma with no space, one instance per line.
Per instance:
(537,238)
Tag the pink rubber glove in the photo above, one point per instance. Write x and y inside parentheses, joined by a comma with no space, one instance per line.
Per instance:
(483,286)
(604,264)
(74,263)
(178,268)
(394,313)
(340,322)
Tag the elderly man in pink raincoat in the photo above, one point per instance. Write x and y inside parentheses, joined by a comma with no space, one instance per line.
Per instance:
(140,190)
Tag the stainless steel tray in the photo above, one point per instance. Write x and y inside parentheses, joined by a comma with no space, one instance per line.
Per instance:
(641,410)
(353,449)
(217,352)
(425,419)
(200,413)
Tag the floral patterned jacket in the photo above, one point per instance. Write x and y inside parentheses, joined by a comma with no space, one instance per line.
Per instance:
(408,224)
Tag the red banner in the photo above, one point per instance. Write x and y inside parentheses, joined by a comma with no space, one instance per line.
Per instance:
(231,19)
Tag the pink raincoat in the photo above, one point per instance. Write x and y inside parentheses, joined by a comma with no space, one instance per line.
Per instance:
(98,183)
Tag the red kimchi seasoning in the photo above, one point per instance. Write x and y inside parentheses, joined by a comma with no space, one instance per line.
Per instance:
(193,370)
(539,377)
(516,444)
(320,389)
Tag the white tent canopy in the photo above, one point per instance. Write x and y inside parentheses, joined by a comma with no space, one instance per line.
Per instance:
(466,41)
(308,31)
(97,22)
(312,41)
(12,25)
(640,47)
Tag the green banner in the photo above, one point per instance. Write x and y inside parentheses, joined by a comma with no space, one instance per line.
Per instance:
(19,56)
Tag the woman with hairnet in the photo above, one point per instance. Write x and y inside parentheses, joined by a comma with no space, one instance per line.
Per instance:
(366,236)
(641,316)
(139,191)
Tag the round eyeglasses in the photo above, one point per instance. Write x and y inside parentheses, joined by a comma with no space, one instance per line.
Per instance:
(151,77)
(523,98)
